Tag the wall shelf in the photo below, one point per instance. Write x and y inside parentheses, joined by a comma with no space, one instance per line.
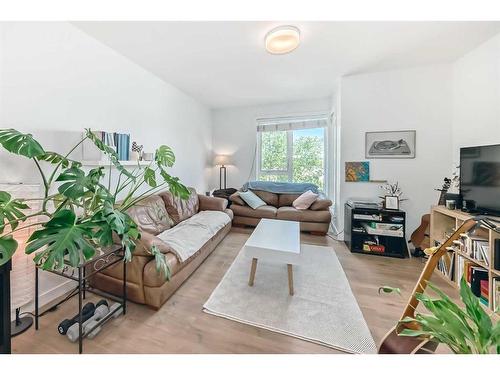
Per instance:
(105,163)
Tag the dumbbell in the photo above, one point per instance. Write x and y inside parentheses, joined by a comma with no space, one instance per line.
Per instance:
(93,323)
(73,331)
(87,312)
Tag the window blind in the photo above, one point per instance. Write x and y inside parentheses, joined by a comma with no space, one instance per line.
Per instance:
(283,124)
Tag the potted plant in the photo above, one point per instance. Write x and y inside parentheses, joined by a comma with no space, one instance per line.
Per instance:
(80,210)
(467,330)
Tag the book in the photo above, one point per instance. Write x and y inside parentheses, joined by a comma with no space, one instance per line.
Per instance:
(477,274)
(496,251)
(496,293)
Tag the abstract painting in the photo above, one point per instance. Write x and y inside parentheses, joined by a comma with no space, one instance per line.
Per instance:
(357,171)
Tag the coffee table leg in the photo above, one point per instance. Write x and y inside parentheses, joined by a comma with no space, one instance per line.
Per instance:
(252,271)
(290,279)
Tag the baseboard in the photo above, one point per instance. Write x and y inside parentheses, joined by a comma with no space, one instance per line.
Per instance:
(48,297)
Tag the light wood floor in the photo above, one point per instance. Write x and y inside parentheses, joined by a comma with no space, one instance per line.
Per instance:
(181,327)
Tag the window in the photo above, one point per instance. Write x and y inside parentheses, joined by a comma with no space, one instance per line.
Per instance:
(293,150)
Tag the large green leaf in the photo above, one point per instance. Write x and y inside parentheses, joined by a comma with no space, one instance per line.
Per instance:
(76,183)
(113,156)
(175,187)
(8,246)
(118,221)
(161,263)
(10,211)
(164,156)
(150,177)
(62,236)
(104,234)
(20,143)
(55,158)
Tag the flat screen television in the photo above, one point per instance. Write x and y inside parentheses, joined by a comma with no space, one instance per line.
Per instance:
(480,178)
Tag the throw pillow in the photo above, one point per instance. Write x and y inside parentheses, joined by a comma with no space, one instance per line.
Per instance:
(304,201)
(252,199)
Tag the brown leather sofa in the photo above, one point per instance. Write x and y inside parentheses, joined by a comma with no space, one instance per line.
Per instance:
(316,219)
(156,217)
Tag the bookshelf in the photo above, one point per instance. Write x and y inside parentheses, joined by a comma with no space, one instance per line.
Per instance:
(468,253)
(375,231)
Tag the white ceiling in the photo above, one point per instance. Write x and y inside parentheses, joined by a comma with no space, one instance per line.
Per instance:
(224,64)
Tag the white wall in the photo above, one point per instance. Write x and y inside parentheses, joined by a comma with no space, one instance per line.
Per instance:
(235,134)
(476,97)
(411,99)
(54,77)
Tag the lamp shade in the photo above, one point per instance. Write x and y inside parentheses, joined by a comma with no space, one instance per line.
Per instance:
(222,160)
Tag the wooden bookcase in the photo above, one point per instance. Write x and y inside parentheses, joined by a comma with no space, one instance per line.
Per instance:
(444,222)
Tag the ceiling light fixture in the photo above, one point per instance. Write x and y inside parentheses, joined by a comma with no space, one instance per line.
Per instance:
(282,39)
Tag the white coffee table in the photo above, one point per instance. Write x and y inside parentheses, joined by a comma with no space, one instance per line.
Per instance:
(276,241)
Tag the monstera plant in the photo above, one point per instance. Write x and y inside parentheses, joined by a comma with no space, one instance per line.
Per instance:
(79,210)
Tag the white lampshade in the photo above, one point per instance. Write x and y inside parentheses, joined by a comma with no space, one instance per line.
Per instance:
(222,160)
(282,40)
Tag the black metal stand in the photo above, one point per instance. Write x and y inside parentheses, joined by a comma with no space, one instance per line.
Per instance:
(220,177)
(5,308)
(84,272)
(19,325)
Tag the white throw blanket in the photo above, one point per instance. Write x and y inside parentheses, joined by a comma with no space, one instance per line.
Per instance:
(187,237)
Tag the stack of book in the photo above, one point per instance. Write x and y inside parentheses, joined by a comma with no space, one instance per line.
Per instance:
(476,277)
(383,229)
(475,247)
(118,142)
(446,265)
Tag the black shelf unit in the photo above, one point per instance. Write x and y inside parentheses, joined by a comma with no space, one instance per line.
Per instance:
(355,234)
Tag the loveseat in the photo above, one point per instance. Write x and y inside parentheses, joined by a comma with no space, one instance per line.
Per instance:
(186,231)
(316,219)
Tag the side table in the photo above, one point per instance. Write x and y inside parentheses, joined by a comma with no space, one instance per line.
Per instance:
(81,274)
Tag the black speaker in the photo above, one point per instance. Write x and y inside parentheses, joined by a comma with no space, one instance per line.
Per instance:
(5,308)
(468,205)
(496,254)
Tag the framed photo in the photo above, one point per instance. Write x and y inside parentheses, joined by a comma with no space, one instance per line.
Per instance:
(390,144)
(391,202)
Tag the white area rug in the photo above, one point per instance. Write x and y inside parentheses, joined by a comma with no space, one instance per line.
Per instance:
(323,309)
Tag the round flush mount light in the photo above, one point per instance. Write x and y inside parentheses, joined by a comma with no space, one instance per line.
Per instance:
(282,39)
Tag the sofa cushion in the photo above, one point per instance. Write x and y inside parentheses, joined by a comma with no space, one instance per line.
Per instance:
(290,213)
(151,215)
(321,205)
(268,212)
(252,199)
(305,200)
(179,209)
(187,237)
(270,198)
(235,198)
(287,199)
